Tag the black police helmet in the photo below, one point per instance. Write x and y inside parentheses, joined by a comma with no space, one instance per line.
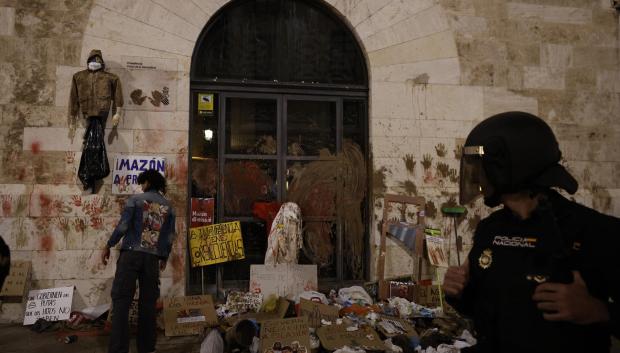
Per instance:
(520,152)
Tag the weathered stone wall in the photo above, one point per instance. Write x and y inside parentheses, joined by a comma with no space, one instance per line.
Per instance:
(436,68)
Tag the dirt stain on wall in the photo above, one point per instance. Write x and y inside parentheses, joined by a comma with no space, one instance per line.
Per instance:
(409,187)
(378,181)
(409,163)
(431,209)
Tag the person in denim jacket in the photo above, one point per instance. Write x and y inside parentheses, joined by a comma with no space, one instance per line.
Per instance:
(147,229)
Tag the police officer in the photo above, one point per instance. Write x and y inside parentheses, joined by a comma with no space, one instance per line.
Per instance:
(543,274)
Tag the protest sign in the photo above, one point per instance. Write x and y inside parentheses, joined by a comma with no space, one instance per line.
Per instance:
(284,280)
(51,304)
(242,302)
(428,295)
(435,247)
(188,315)
(201,212)
(216,243)
(317,312)
(334,337)
(126,171)
(14,286)
(279,313)
(277,336)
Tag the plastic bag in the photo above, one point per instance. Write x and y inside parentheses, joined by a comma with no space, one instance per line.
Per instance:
(213,343)
(94,162)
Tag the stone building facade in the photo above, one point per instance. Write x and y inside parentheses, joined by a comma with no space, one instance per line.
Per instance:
(436,68)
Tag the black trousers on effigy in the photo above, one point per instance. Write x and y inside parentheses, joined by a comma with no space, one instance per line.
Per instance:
(134,266)
(94,162)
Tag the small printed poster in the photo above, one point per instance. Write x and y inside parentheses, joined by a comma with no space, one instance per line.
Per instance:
(242,302)
(315,312)
(436,252)
(216,243)
(53,304)
(205,102)
(126,171)
(202,212)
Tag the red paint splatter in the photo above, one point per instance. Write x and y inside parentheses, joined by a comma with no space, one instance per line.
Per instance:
(7,206)
(35,147)
(47,242)
(181,173)
(22,174)
(46,204)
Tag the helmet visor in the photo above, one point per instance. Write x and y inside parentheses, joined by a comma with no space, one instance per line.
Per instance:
(473,182)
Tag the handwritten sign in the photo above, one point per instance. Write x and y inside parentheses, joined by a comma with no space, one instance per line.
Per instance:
(427,295)
(14,286)
(286,334)
(201,212)
(334,337)
(242,302)
(51,304)
(185,316)
(315,312)
(284,280)
(127,169)
(436,251)
(216,243)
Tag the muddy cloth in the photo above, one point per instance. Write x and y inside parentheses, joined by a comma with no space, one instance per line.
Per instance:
(94,162)
(561,236)
(93,92)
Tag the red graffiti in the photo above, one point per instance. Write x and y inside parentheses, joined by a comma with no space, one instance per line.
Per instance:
(22,174)
(46,204)
(77,200)
(96,222)
(47,242)
(79,225)
(181,174)
(7,205)
(35,147)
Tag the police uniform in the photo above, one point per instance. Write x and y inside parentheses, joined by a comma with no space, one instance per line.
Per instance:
(511,256)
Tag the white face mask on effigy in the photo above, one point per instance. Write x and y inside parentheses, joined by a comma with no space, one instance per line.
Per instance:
(94,66)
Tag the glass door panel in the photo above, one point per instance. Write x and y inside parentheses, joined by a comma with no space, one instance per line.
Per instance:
(311,127)
(251,126)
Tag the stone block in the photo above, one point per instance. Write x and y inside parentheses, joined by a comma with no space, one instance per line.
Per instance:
(600,57)
(393,146)
(35,234)
(448,102)
(422,24)
(186,10)
(64,80)
(523,54)
(107,24)
(546,13)
(71,264)
(608,80)
(436,46)
(445,128)
(69,201)
(88,292)
(391,99)
(388,15)
(543,78)
(182,92)
(394,127)
(7,83)
(469,26)
(57,139)
(581,79)
(12,313)
(499,100)
(153,141)
(7,21)
(440,71)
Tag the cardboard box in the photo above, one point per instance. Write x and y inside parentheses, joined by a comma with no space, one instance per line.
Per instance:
(279,313)
(15,284)
(315,312)
(336,336)
(285,336)
(184,316)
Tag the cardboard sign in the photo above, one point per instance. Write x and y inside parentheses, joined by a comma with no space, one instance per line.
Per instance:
(14,286)
(435,248)
(285,336)
(126,171)
(285,280)
(185,316)
(427,296)
(201,212)
(216,243)
(402,289)
(51,304)
(315,312)
(336,336)
(242,302)
(393,326)
(279,313)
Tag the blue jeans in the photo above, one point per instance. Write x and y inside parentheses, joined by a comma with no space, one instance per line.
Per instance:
(134,266)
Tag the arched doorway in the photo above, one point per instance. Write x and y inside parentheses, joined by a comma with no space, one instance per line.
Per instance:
(279,113)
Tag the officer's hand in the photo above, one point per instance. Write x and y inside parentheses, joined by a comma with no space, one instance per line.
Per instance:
(570,302)
(105,256)
(456,279)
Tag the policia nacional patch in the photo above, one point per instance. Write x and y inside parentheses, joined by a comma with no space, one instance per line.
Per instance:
(485,259)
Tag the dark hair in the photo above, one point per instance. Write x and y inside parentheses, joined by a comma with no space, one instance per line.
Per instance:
(155,179)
